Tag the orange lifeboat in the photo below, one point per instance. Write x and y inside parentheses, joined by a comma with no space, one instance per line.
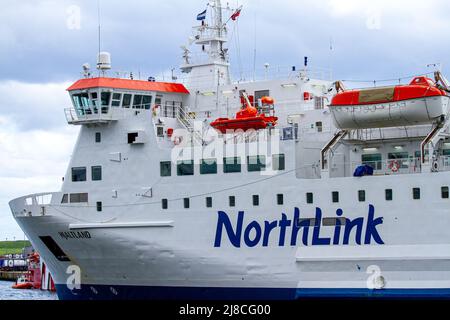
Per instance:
(420,102)
(249,117)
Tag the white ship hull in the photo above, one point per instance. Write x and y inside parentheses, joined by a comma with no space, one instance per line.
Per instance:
(175,256)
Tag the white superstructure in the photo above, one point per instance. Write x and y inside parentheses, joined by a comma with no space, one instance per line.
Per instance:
(156,204)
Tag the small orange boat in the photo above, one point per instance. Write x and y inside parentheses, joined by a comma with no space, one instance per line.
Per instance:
(249,118)
(23,283)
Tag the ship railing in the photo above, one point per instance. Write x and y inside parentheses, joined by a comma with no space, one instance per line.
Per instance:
(90,115)
(187,120)
(32,205)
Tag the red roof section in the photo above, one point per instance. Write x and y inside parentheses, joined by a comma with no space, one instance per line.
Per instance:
(138,85)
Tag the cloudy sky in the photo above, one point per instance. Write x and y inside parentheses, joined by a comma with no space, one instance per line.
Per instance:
(44,43)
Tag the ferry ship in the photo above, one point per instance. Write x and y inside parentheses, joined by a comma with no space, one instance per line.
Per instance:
(277,189)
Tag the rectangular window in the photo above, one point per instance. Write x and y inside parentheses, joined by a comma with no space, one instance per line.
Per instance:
(99,206)
(185,168)
(209,203)
(362,196)
(116,99)
(98,137)
(372,160)
(255,200)
(416,193)
(208,166)
(79,198)
(146,102)
(260,94)
(160,132)
(126,100)
(389,195)
(232,201)
(280,199)
(278,162)
(79,174)
(166,168)
(232,165)
(106,98)
(319,126)
(165,204)
(137,101)
(186,203)
(335,196)
(309,198)
(445,192)
(256,163)
(65,198)
(55,248)
(96,173)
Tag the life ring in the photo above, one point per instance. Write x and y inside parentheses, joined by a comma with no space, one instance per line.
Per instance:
(435,167)
(394,166)
(177,140)
(155,110)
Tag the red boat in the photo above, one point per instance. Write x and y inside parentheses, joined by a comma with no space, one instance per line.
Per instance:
(23,283)
(249,117)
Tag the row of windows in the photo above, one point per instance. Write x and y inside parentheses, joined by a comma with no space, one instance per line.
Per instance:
(231,165)
(79,174)
(389,196)
(136,101)
(231,201)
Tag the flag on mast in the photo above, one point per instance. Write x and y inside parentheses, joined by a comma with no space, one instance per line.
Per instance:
(236,14)
(201,16)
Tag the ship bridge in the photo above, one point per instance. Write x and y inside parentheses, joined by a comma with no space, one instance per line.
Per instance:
(104,100)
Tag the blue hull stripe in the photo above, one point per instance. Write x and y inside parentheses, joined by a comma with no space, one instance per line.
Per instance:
(97,292)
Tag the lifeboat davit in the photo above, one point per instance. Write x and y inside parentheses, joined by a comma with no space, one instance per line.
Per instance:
(249,118)
(420,102)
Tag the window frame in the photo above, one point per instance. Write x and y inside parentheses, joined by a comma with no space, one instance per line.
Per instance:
(228,167)
(204,164)
(182,163)
(96,168)
(80,169)
(259,167)
(161,164)
(279,162)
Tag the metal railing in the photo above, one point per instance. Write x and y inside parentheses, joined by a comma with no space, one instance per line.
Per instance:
(188,122)
(84,116)
(32,205)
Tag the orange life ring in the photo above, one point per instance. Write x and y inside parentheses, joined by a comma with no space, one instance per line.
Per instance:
(394,166)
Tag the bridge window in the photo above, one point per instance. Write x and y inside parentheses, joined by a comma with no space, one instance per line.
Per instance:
(166,168)
(142,102)
(389,194)
(106,98)
(278,162)
(372,160)
(208,166)
(146,102)
(232,201)
(335,196)
(65,198)
(116,99)
(79,174)
(232,165)
(280,199)
(185,168)
(256,163)
(126,101)
(209,203)
(96,173)
(94,99)
(362,196)
(416,193)
(309,198)
(165,204)
(445,192)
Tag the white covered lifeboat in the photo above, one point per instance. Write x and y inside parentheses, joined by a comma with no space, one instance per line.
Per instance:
(420,102)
